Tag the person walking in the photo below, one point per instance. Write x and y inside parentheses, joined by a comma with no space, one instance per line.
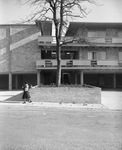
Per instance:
(26,94)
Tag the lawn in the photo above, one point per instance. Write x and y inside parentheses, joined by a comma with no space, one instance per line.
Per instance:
(39,128)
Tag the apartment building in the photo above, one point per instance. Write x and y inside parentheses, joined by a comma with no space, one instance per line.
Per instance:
(28,52)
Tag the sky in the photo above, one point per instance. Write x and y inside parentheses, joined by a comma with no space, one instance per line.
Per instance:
(110,11)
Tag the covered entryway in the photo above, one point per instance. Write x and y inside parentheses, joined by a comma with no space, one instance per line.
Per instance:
(109,81)
(118,80)
(65,78)
(47,77)
(19,79)
(4,81)
(100,80)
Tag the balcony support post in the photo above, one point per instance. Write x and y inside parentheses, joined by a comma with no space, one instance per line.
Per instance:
(10,81)
(76,78)
(114,81)
(38,78)
(16,81)
(81,77)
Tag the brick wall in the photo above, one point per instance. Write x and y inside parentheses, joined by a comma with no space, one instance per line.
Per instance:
(24,48)
(4,53)
(67,95)
(19,48)
(112,54)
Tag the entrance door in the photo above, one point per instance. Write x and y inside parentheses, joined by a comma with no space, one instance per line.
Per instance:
(66,78)
(47,78)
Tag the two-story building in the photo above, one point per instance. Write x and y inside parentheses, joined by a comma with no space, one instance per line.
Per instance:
(28,52)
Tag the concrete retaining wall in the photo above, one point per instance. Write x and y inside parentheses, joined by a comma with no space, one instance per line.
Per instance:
(67,94)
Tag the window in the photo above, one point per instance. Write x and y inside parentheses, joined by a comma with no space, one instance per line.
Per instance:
(46,54)
(53,55)
(97,34)
(120,55)
(67,55)
(92,55)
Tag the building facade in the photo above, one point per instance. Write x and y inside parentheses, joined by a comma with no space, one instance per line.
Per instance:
(28,53)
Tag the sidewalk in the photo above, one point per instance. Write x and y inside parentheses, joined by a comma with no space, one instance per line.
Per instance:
(55,105)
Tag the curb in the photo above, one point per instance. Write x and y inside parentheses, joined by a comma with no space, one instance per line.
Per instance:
(56,105)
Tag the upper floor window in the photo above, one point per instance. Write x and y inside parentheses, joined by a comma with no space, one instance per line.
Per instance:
(120,55)
(120,34)
(92,55)
(111,32)
(96,34)
(48,54)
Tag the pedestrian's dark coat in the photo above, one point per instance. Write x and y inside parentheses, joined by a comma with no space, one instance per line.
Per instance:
(26,94)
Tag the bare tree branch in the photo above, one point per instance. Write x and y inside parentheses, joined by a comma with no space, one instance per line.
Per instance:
(60,12)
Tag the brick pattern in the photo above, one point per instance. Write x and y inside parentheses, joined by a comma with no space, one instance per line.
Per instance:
(15,29)
(24,49)
(2,33)
(24,58)
(67,95)
(19,48)
(4,54)
(112,53)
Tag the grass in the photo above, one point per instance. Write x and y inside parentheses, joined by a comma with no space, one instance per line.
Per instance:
(35,128)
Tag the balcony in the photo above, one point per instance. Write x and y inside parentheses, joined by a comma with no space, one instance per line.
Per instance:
(87,64)
(40,64)
(107,63)
(47,40)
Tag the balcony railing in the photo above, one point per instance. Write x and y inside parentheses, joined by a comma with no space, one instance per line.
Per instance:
(76,63)
(107,63)
(52,40)
(64,63)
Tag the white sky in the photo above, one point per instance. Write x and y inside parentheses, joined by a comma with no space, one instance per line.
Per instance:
(110,11)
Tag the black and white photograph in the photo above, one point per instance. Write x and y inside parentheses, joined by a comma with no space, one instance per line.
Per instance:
(60,74)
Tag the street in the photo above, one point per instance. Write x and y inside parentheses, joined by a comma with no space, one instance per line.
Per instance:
(24,127)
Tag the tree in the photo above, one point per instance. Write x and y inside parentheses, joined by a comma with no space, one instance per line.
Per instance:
(59,12)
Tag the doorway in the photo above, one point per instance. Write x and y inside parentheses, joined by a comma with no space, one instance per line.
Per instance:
(66,78)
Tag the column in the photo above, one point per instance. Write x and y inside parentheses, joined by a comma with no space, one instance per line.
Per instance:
(9,57)
(80,53)
(8,38)
(16,81)
(76,78)
(81,77)
(10,81)
(114,81)
(38,78)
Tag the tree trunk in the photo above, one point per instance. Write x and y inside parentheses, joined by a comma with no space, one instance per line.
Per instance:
(58,75)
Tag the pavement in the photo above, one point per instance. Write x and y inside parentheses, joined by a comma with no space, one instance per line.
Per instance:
(112,99)
(109,100)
